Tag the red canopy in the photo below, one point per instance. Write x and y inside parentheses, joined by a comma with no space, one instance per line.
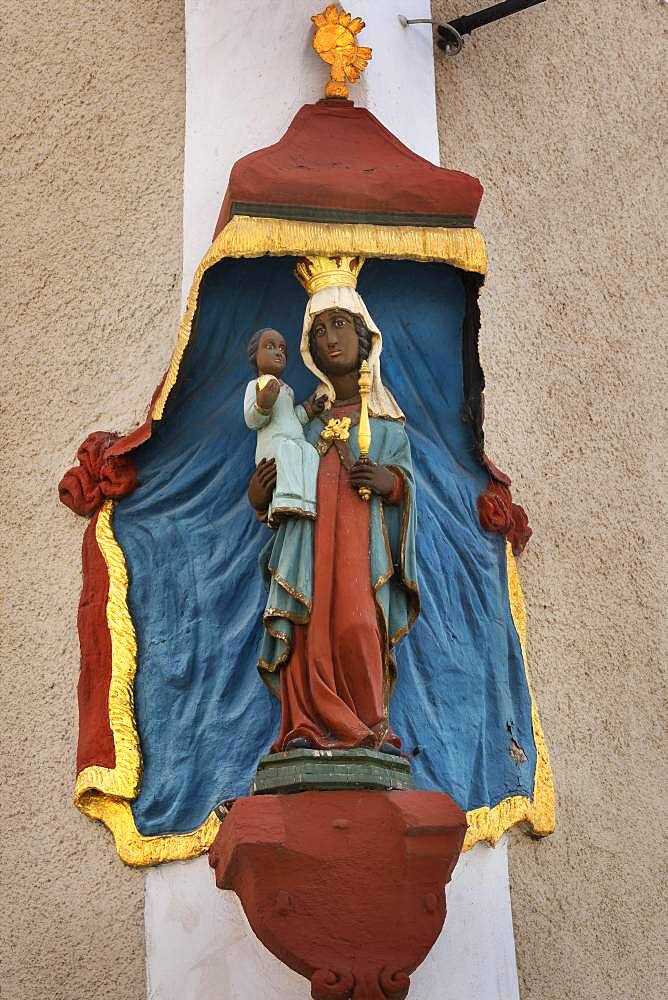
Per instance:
(337,163)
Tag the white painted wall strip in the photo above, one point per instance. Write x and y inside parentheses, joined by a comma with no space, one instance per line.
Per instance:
(249,68)
(199,945)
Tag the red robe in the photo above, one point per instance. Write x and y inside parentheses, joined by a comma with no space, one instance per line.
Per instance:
(332,687)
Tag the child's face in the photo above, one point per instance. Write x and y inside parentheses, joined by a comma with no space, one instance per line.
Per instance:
(272,353)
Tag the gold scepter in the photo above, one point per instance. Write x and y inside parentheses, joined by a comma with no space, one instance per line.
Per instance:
(364,430)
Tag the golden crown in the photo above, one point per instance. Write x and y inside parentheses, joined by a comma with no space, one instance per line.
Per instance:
(315,273)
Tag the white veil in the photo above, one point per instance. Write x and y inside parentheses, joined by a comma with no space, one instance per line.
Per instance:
(381,401)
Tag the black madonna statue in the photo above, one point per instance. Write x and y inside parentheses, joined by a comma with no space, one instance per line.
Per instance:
(342,587)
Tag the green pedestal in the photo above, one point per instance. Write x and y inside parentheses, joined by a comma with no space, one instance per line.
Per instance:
(331,770)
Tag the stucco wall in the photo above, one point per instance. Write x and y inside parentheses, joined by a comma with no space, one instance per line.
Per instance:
(92,98)
(557,110)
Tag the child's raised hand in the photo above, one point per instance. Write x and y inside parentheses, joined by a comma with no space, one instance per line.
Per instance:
(314,405)
(266,397)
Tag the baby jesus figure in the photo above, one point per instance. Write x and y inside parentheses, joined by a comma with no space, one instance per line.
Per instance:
(269,409)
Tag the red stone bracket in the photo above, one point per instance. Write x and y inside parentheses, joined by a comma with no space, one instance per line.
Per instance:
(346,888)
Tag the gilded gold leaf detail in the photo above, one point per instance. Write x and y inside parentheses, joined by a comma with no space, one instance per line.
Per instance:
(335,43)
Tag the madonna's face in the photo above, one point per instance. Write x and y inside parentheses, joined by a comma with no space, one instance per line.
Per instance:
(335,343)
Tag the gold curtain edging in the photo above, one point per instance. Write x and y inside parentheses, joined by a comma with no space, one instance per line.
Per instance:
(250,236)
(105,793)
(139,851)
(487,824)
(123,779)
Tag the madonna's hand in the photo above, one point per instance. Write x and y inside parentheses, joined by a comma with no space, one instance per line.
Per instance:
(261,485)
(376,478)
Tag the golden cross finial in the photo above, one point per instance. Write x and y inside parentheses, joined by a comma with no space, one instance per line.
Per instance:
(335,43)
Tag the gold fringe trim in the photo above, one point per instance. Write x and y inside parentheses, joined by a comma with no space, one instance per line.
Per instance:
(105,793)
(487,824)
(248,236)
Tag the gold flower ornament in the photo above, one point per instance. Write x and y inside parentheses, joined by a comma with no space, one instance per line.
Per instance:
(336,430)
(335,43)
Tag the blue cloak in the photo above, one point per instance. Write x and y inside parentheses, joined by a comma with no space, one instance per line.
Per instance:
(191,545)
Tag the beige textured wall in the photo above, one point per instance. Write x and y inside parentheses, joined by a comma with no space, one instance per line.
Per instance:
(557,110)
(92,100)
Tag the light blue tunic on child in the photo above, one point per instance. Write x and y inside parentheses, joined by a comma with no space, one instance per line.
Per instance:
(280,435)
